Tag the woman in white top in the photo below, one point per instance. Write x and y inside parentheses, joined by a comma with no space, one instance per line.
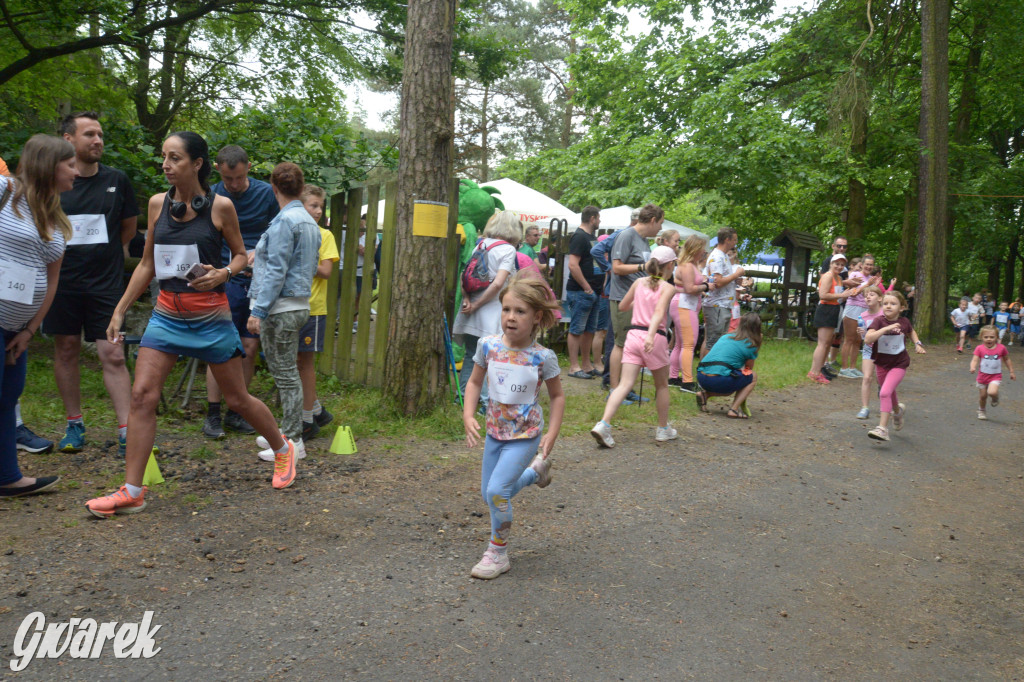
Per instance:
(33,230)
(480,314)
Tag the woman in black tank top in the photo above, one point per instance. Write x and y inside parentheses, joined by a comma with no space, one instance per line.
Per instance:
(192,215)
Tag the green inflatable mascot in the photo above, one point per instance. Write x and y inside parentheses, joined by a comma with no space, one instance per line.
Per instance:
(476,206)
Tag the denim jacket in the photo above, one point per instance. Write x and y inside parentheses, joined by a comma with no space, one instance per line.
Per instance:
(286,259)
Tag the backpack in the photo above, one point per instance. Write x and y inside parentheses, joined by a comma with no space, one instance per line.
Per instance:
(476,277)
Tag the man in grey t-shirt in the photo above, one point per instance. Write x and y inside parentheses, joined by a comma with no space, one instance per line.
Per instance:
(629,255)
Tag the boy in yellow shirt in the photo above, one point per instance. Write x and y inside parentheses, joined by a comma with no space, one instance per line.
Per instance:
(311,338)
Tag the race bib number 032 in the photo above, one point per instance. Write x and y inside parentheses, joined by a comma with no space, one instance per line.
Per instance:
(512,384)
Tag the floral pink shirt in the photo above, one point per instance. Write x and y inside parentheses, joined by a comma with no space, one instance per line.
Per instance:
(514,378)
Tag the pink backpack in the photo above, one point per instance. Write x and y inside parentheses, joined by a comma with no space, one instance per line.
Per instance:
(476,276)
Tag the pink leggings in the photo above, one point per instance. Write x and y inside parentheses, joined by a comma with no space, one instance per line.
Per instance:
(889,379)
(687,327)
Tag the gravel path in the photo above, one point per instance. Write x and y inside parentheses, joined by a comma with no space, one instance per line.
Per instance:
(786,547)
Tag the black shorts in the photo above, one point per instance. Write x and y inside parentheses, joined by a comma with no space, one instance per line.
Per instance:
(238,301)
(311,336)
(72,312)
(826,316)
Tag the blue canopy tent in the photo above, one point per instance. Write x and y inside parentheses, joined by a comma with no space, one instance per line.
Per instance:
(771,259)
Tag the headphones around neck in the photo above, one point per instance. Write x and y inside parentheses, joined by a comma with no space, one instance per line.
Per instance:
(198,203)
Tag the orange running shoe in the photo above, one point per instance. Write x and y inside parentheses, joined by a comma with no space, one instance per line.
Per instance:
(119,502)
(284,467)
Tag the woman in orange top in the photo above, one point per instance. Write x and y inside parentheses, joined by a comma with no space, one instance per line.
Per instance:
(826,316)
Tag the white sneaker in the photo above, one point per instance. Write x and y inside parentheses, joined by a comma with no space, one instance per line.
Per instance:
(982,416)
(602,433)
(267,454)
(848,373)
(665,433)
(493,564)
(897,417)
(856,373)
(543,468)
(879,433)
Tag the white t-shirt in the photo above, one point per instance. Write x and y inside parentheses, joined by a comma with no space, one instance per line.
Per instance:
(718,267)
(23,260)
(960,317)
(973,311)
(486,320)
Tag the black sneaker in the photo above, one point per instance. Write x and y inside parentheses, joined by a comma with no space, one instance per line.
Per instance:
(675,382)
(235,422)
(829,372)
(310,430)
(43,484)
(212,427)
(324,418)
(688,387)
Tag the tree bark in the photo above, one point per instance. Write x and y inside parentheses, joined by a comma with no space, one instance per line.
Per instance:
(1011,267)
(933,172)
(485,160)
(857,199)
(908,238)
(414,373)
(965,109)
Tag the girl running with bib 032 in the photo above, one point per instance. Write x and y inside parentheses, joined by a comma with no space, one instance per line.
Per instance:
(515,366)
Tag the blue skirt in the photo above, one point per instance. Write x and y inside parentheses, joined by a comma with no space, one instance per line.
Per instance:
(203,331)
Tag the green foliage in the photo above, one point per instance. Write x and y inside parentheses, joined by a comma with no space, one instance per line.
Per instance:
(330,153)
(750,121)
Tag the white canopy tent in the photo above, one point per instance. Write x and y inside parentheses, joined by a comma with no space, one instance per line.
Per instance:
(618,217)
(532,207)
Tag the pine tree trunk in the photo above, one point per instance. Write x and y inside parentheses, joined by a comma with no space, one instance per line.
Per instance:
(933,172)
(485,160)
(414,373)
(1011,268)
(908,238)
(964,111)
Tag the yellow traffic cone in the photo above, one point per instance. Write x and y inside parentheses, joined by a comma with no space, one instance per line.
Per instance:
(152,475)
(344,442)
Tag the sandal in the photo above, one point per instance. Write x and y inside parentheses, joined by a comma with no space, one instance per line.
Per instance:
(596,372)
(702,400)
(733,414)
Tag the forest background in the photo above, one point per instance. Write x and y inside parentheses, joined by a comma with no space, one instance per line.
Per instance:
(749,113)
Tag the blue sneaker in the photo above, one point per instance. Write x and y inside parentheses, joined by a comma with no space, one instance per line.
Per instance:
(30,442)
(74,438)
(122,444)
(637,398)
(626,402)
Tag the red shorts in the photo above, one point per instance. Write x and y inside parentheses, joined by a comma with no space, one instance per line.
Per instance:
(985,379)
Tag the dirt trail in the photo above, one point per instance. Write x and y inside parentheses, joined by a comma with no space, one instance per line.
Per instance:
(786,547)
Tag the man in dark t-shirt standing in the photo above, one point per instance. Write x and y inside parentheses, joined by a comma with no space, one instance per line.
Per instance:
(103,214)
(581,294)
(256,206)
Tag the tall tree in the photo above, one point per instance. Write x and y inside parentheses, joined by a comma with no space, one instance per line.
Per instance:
(933,171)
(414,372)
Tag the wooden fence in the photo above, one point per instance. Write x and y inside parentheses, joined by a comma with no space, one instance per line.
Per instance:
(359,357)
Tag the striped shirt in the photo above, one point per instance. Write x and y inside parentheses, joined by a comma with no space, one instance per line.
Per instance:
(21,246)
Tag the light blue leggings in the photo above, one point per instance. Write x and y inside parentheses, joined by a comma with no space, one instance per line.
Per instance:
(503,473)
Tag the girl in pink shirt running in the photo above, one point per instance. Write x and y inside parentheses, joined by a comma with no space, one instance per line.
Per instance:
(988,360)
(873,310)
(646,344)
